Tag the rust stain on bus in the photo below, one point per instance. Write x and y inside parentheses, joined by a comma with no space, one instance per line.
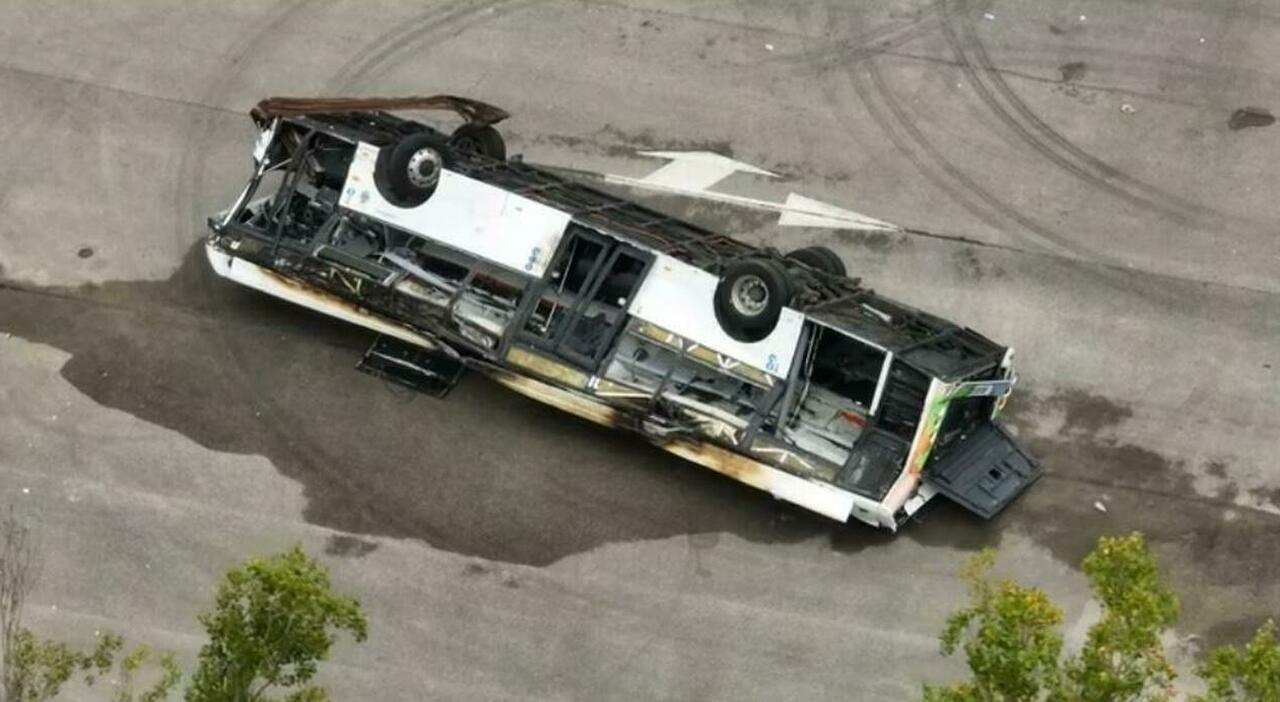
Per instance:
(571,402)
(725,462)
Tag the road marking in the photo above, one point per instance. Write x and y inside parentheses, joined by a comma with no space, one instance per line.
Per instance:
(696,170)
(692,173)
(801,211)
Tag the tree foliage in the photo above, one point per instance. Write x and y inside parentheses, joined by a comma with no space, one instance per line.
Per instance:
(37,669)
(1123,657)
(1251,674)
(273,621)
(1010,639)
(167,676)
(17,575)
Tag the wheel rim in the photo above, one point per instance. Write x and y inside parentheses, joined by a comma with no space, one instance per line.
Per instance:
(749,295)
(424,168)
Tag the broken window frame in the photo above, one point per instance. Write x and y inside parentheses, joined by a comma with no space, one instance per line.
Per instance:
(555,339)
(807,346)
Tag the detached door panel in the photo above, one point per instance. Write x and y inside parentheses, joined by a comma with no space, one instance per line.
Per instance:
(984,472)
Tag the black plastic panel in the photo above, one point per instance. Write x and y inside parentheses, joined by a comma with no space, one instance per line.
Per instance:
(431,372)
(984,471)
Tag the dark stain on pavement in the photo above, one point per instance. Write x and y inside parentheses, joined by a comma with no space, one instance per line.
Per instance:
(1269,494)
(618,142)
(875,242)
(1085,413)
(347,546)
(1072,71)
(1085,462)
(971,266)
(1235,632)
(1247,117)
(240,372)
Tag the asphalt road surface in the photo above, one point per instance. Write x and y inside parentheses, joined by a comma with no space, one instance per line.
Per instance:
(1071,183)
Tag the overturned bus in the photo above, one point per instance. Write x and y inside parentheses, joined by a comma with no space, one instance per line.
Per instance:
(778,371)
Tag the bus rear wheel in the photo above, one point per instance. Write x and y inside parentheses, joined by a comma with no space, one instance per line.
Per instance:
(750,297)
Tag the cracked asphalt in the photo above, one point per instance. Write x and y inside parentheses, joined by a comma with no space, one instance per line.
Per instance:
(1074,179)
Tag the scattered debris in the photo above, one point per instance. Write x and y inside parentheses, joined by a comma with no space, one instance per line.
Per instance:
(1201,40)
(1128,109)
(1100,507)
(1083,18)
(85,252)
(768,47)
(988,15)
(26,491)
(1250,117)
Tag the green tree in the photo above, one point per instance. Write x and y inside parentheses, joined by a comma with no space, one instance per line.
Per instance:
(37,669)
(1123,658)
(1009,637)
(273,621)
(1010,640)
(167,676)
(1251,674)
(34,669)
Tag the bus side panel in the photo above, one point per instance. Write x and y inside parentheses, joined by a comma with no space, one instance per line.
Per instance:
(464,214)
(681,298)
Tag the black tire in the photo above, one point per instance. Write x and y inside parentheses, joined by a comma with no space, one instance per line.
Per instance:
(408,171)
(750,298)
(820,258)
(479,139)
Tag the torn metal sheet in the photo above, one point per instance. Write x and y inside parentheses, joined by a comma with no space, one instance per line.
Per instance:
(471,110)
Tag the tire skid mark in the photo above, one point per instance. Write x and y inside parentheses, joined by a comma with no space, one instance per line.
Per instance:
(381,48)
(886,124)
(444,23)
(1044,139)
(901,118)
(891,125)
(896,123)
(875,41)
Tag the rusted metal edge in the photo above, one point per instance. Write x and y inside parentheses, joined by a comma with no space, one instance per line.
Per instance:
(473,111)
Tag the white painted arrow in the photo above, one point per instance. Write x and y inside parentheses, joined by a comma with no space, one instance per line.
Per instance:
(801,211)
(692,173)
(695,170)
